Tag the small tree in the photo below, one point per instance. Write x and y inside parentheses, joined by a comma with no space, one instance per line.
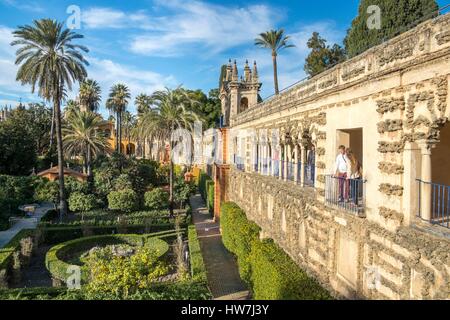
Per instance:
(47,191)
(124,200)
(157,199)
(80,202)
(321,56)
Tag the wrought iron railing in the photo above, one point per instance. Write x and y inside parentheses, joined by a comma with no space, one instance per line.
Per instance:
(440,202)
(345,194)
(239,163)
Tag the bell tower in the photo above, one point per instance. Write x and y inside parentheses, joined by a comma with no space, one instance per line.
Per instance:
(238,94)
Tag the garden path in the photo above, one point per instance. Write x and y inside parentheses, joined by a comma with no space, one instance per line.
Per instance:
(222,271)
(6,236)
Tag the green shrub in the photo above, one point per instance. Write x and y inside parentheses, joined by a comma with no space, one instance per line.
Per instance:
(46,191)
(238,235)
(156,199)
(276,277)
(203,179)
(122,182)
(210,202)
(50,216)
(14,191)
(80,202)
(124,200)
(73,185)
(198,270)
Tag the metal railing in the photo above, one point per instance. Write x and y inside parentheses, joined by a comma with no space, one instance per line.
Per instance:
(239,163)
(345,194)
(440,203)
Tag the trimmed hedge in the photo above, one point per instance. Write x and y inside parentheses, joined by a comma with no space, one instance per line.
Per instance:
(276,277)
(54,260)
(206,188)
(57,235)
(198,269)
(270,272)
(238,235)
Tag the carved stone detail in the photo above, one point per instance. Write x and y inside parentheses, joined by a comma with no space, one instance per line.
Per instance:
(390,126)
(391,190)
(390,168)
(391,147)
(390,214)
(390,105)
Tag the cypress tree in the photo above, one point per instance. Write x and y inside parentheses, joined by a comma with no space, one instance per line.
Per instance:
(396,17)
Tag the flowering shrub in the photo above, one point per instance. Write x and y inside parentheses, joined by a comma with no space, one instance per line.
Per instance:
(122,276)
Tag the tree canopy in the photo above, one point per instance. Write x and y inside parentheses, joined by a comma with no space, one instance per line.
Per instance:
(322,56)
(396,17)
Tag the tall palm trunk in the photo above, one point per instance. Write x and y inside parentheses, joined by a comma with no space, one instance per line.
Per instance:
(120,131)
(171,204)
(275,72)
(62,194)
(88,161)
(52,130)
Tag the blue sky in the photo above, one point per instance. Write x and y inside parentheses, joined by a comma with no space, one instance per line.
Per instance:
(149,44)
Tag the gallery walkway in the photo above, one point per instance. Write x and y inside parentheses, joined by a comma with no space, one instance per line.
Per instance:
(222,271)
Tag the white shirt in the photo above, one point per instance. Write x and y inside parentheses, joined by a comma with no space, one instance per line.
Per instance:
(342,164)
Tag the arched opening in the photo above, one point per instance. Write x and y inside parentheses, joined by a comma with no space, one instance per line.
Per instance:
(131,149)
(244,104)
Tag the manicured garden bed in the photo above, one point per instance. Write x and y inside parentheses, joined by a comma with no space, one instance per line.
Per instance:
(64,255)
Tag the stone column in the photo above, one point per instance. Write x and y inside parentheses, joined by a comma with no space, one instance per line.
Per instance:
(280,161)
(286,161)
(296,161)
(259,157)
(426,188)
(411,158)
(303,168)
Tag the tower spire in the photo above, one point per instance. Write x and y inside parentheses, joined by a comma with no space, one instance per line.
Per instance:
(247,72)
(235,75)
(255,73)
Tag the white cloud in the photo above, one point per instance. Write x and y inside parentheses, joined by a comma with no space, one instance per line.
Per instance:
(24,5)
(8,84)
(107,73)
(189,25)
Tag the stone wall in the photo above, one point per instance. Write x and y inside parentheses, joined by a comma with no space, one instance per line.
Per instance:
(351,256)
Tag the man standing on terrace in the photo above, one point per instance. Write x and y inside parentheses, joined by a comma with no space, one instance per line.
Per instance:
(341,169)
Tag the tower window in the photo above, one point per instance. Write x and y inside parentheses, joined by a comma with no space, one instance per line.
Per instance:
(244,104)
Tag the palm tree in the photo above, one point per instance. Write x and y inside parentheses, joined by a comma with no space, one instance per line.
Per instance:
(171,112)
(82,137)
(143,103)
(274,40)
(71,106)
(90,95)
(51,62)
(128,124)
(117,102)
